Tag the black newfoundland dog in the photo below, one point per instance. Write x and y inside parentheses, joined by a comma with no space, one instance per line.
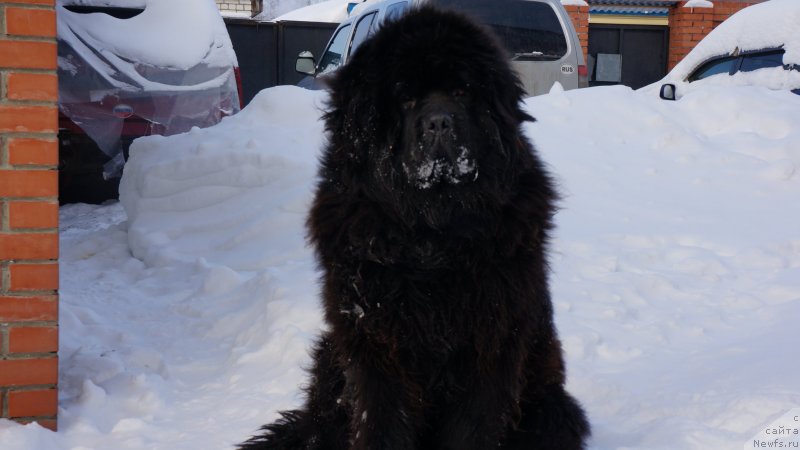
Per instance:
(430,224)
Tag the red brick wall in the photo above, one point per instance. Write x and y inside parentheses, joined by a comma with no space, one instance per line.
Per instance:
(687,26)
(28,212)
(580,20)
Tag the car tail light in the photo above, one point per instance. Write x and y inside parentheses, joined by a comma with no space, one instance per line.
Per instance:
(583,76)
(238,76)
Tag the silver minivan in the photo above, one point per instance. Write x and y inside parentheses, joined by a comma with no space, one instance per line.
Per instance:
(538,35)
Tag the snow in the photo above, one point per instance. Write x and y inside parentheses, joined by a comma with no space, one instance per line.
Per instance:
(433,170)
(677,260)
(698,4)
(244,15)
(187,310)
(273,9)
(771,24)
(334,11)
(211,192)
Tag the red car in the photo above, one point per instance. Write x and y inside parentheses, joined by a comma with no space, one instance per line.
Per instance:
(136,68)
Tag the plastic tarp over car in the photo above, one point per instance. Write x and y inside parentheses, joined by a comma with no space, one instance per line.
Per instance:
(162,71)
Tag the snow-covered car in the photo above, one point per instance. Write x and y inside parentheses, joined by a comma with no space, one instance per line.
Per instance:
(759,45)
(132,68)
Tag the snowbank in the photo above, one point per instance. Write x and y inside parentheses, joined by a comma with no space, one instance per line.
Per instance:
(676,261)
(676,274)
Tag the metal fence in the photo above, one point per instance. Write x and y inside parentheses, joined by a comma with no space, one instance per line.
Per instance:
(267,50)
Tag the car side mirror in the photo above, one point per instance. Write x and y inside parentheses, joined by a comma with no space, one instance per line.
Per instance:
(668,91)
(305,63)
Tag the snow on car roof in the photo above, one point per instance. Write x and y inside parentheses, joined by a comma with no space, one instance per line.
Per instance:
(177,34)
(770,24)
(334,11)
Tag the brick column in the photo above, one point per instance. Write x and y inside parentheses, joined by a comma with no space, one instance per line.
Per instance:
(580,20)
(688,26)
(28,212)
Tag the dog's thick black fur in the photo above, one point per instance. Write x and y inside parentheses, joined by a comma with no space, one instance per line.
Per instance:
(430,224)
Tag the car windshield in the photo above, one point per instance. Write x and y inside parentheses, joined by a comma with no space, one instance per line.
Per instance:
(716,66)
(529,30)
(363,31)
(333,55)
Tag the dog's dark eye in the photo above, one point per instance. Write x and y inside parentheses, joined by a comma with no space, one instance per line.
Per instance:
(405,99)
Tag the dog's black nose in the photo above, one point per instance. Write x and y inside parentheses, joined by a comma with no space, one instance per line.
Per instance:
(438,123)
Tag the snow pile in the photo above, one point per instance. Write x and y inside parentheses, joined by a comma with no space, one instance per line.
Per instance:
(772,24)
(676,275)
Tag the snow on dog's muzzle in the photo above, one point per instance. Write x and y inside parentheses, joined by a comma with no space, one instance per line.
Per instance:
(451,167)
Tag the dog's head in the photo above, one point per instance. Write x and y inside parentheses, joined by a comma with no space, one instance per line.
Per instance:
(425,117)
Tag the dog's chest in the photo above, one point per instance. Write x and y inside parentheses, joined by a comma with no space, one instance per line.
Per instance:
(422,311)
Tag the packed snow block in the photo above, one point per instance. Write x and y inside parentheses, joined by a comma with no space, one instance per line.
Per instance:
(212,193)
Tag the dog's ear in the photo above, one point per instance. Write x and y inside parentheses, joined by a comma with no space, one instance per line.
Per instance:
(509,97)
(505,92)
(349,121)
(351,92)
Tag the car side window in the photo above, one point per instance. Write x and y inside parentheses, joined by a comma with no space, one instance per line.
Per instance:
(362,31)
(717,66)
(332,58)
(762,60)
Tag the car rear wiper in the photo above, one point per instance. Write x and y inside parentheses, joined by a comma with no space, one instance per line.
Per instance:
(534,55)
